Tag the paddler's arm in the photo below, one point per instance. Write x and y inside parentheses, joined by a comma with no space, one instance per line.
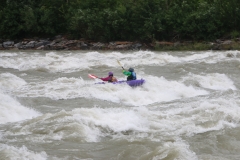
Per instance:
(126,73)
(105,79)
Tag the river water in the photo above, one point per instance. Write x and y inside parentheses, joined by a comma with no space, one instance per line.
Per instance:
(188,109)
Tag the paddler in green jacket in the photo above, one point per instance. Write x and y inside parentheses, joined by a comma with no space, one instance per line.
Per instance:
(131,74)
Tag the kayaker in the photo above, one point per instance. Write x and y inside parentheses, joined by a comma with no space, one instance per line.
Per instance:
(109,78)
(131,74)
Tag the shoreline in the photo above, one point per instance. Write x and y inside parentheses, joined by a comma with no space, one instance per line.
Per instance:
(61,43)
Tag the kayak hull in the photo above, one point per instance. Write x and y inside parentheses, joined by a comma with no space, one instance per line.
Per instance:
(132,83)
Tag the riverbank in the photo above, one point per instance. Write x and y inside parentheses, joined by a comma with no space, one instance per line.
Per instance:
(62,43)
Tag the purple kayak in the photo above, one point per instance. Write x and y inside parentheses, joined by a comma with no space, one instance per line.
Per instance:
(132,83)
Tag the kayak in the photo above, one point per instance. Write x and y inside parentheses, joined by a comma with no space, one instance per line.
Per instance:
(132,83)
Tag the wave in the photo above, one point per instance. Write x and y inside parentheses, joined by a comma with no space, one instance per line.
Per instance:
(68,62)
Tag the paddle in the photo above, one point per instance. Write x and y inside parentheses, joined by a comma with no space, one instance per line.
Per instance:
(92,76)
(120,64)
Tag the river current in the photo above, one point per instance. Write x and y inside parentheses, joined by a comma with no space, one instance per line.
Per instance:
(188,109)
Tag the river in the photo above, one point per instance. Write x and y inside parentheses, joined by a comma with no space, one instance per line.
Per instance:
(188,108)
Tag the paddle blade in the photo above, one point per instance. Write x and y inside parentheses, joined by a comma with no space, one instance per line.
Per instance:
(92,76)
(120,64)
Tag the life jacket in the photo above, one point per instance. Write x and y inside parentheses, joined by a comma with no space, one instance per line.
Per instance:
(133,76)
(112,79)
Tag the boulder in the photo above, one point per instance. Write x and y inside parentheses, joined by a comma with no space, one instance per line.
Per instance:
(8,44)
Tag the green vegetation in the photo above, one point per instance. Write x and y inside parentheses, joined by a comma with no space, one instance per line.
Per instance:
(122,20)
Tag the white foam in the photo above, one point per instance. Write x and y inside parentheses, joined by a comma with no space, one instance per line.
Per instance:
(154,90)
(12,111)
(178,150)
(59,62)
(196,117)
(207,56)
(132,123)
(214,81)
(81,124)
(7,54)
(9,81)
(23,153)
(77,61)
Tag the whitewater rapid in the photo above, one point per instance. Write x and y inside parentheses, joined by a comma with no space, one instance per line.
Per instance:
(51,109)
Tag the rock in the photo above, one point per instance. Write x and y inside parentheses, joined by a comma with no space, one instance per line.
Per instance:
(97,46)
(42,43)
(176,44)
(123,43)
(57,47)
(215,46)
(30,44)
(71,43)
(123,46)
(219,41)
(40,47)
(230,55)
(164,43)
(58,36)
(83,46)
(237,39)
(18,45)
(136,46)
(227,42)
(24,42)
(60,42)
(47,47)
(8,44)
(1,46)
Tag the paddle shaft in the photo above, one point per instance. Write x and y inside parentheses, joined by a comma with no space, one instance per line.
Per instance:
(120,64)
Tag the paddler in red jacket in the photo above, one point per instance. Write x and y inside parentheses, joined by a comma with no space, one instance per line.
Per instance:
(110,78)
